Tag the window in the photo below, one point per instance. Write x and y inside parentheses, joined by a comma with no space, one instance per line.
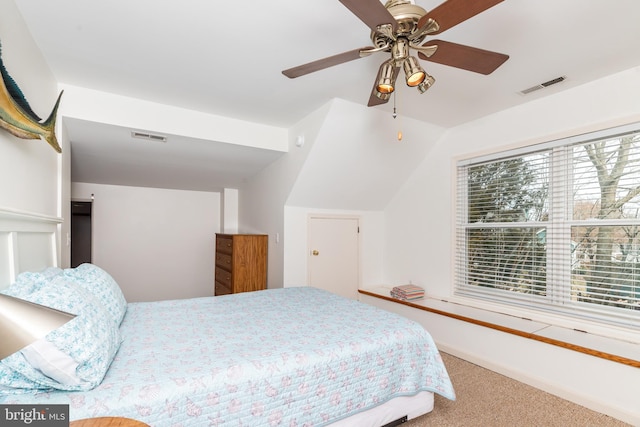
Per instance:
(554,227)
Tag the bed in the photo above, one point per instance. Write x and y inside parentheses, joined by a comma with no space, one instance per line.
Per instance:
(295,356)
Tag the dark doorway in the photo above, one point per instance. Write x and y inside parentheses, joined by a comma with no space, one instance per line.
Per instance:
(80,233)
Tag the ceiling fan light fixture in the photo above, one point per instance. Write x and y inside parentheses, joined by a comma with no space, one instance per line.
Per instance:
(386,88)
(397,26)
(383,96)
(385,78)
(426,83)
(413,72)
(400,50)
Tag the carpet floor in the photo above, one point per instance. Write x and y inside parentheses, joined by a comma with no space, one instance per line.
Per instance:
(488,399)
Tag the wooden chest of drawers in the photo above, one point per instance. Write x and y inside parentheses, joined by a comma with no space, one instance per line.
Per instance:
(241,263)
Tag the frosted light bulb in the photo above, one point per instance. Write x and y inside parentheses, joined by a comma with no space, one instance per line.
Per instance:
(399,135)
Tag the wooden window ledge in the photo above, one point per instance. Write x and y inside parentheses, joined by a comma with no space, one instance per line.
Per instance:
(612,349)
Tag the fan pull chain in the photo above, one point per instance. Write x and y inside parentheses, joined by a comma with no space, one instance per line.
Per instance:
(396,115)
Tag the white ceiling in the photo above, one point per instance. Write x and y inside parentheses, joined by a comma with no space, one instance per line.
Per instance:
(108,154)
(226,58)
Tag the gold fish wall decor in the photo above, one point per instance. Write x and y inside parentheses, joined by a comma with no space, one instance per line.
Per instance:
(17,117)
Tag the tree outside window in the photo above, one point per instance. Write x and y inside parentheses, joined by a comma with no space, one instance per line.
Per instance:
(559,225)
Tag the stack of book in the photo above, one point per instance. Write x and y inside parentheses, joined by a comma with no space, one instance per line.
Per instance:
(407,292)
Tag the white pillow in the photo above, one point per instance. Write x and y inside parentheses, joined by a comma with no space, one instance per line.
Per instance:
(55,364)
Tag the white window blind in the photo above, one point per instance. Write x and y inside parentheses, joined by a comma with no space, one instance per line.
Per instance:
(554,228)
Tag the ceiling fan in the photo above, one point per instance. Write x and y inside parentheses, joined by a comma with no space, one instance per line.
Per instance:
(399,26)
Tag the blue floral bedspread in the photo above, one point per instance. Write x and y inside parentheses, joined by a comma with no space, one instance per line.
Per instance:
(281,357)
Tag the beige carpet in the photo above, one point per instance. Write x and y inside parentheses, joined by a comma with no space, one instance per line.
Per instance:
(487,399)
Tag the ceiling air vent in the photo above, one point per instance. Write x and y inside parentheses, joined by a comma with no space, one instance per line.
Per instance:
(543,85)
(148,136)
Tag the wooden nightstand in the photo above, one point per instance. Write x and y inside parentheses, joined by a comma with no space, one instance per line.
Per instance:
(107,422)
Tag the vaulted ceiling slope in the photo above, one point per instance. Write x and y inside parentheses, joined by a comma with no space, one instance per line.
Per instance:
(362,163)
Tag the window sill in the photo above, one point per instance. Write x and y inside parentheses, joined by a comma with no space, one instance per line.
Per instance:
(611,349)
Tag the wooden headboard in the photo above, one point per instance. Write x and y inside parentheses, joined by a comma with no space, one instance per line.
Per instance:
(28,242)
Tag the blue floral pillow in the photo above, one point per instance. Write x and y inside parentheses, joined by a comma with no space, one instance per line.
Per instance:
(29,282)
(75,356)
(102,286)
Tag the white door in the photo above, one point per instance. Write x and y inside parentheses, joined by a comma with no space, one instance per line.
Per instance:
(334,261)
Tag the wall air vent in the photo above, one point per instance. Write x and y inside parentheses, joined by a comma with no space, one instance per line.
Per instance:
(543,85)
(148,136)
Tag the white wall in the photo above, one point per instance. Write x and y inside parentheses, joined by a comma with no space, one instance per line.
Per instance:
(29,179)
(355,167)
(102,107)
(421,217)
(64,177)
(229,211)
(350,163)
(263,198)
(157,244)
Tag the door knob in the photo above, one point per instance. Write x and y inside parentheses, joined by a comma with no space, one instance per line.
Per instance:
(315,253)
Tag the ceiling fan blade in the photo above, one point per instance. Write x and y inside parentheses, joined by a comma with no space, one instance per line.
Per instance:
(373,99)
(371,12)
(321,64)
(464,57)
(452,12)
